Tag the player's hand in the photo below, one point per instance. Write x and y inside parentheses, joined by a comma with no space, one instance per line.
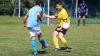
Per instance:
(44,15)
(24,25)
(59,28)
(86,14)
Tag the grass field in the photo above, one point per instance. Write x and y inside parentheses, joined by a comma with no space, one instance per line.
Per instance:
(15,41)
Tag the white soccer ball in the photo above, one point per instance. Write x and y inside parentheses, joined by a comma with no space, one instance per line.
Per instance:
(66,25)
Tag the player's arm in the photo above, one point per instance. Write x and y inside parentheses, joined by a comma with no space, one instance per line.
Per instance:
(78,10)
(52,17)
(86,11)
(25,21)
(39,16)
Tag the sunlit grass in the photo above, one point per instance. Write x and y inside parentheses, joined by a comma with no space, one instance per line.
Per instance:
(15,41)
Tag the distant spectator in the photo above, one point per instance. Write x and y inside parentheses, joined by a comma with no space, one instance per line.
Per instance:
(82,12)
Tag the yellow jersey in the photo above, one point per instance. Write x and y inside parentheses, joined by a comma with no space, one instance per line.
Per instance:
(61,16)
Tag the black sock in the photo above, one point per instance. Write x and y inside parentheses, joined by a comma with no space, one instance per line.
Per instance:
(83,22)
(78,22)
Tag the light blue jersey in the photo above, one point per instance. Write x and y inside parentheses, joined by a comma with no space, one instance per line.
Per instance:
(32,20)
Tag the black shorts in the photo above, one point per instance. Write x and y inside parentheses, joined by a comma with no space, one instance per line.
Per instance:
(82,14)
(62,30)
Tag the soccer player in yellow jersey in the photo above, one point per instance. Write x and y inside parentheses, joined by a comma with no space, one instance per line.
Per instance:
(62,16)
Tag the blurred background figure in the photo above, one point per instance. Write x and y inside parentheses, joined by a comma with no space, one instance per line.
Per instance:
(82,12)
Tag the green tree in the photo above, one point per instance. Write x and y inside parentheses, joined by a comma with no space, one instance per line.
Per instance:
(6,7)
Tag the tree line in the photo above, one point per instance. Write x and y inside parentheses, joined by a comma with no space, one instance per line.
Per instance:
(8,7)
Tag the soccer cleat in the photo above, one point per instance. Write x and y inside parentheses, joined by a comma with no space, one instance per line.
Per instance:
(63,48)
(43,47)
(37,54)
(67,50)
(57,49)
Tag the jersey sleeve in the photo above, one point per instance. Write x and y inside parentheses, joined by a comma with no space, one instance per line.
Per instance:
(27,14)
(43,10)
(64,14)
(39,10)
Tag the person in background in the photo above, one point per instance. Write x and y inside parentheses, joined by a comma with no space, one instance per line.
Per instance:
(82,12)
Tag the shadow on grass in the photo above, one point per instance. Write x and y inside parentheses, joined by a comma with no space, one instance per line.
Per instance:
(62,48)
(65,50)
(41,52)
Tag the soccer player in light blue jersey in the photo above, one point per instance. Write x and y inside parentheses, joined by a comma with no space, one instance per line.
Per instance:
(31,21)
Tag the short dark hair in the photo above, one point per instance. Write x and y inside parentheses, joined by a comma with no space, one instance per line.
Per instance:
(60,3)
(39,3)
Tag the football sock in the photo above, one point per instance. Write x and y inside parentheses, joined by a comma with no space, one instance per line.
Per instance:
(55,40)
(64,41)
(78,22)
(83,22)
(34,47)
(42,41)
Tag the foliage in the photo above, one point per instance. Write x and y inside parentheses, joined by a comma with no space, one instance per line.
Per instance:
(7,6)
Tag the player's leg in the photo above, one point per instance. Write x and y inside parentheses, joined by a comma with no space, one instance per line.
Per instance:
(34,46)
(33,42)
(55,39)
(79,19)
(61,37)
(40,38)
(63,40)
(83,20)
(42,41)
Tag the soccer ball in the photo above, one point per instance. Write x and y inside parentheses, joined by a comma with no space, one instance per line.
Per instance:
(66,25)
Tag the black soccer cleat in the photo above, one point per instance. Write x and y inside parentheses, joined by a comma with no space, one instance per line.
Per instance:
(67,50)
(57,49)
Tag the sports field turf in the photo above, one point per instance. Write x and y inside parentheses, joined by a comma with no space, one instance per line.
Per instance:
(15,41)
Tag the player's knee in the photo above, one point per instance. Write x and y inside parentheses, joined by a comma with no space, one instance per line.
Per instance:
(60,35)
(40,35)
(55,33)
(33,37)
(83,17)
(79,17)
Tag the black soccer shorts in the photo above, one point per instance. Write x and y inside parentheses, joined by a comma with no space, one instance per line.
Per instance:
(62,30)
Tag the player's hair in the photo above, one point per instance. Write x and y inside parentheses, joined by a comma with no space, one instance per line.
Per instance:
(39,3)
(60,3)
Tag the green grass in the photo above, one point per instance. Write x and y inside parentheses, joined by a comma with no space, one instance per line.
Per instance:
(15,41)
